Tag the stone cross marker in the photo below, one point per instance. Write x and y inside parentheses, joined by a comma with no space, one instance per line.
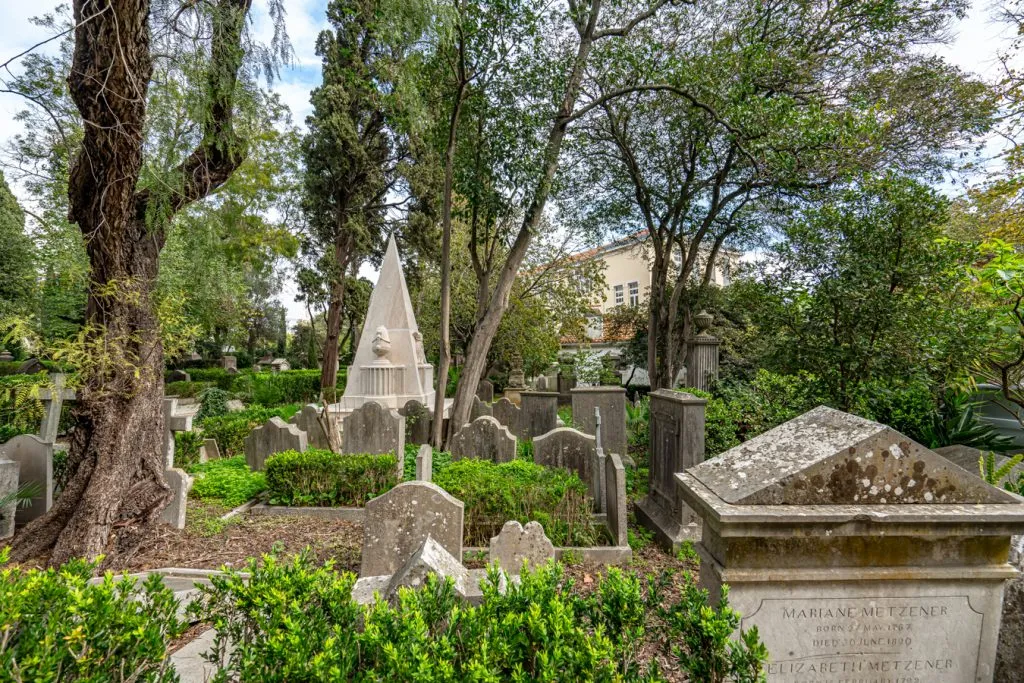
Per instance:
(855,551)
(516,543)
(173,423)
(35,459)
(275,436)
(485,439)
(53,398)
(398,522)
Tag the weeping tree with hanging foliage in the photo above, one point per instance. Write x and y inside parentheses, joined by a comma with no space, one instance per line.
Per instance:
(123,206)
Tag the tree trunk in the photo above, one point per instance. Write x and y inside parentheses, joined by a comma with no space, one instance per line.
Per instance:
(116,489)
(329,370)
(483,335)
(656,318)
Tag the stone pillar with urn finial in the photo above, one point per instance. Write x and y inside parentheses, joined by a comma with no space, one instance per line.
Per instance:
(702,354)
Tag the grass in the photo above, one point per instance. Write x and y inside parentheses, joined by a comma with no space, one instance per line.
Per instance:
(228,481)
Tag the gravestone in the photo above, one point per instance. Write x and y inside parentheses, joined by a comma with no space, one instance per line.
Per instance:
(418,422)
(484,439)
(229,363)
(210,450)
(516,543)
(611,401)
(573,450)
(565,383)
(479,409)
(616,502)
(676,443)
(8,487)
(276,436)
(178,376)
(31,366)
(539,413)
(180,484)
(857,553)
(52,398)
(541,384)
(516,380)
(425,463)
(35,465)
(485,390)
(375,429)
(308,420)
(702,354)
(508,414)
(173,423)
(398,522)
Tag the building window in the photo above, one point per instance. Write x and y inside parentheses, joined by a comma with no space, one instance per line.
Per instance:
(619,297)
(634,293)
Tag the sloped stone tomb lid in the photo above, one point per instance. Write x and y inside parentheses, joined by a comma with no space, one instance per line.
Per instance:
(830,466)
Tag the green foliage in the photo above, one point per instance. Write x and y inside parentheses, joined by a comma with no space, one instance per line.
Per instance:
(323,478)
(186,448)
(213,402)
(275,388)
(55,626)
(705,650)
(186,389)
(439,461)
(995,475)
(587,367)
(227,481)
(17,286)
(524,450)
(523,491)
(219,377)
(231,429)
(955,423)
(638,418)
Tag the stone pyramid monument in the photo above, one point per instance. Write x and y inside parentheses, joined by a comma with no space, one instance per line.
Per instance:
(390,366)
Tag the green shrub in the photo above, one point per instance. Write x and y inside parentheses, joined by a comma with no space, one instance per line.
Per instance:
(439,461)
(320,477)
(56,627)
(219,377)
(230,430)
(186,448)
(524,449)
(227,481)
(186,389)
(520,490)
(212,403)
(297,622)
(275,388)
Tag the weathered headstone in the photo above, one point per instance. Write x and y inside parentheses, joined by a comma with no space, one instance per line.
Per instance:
(677,443)
(31,366)
(430,558)
(485,390)
(565,384)
(180,484)
(8,487)
(616,502)
(375,429)
(178,376)
(573,450)
(508,414)
(425,463)
(857,553)
(173,422)
(280,365)
(229,363)
(35,465)
(611,401)
(479,409)
(485,439)
(418,421)
(539,413)
(516,543)
(398,522)
(275,436)
(541,384)
(210,450)
(52,398)
(308,420)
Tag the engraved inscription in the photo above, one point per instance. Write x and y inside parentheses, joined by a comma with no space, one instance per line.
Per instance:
(869,640)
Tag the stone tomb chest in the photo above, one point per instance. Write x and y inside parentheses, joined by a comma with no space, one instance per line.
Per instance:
(858,554)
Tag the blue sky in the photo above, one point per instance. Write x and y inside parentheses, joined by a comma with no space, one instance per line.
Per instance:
(977,42)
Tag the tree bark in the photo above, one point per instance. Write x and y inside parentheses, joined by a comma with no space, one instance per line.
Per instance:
(116,489)
(483,335)
(329,371)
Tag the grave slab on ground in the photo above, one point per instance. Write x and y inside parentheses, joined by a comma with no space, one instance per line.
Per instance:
(857,553)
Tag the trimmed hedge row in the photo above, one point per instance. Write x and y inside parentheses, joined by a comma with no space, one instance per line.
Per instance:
(322,478)
(266,388)
(230,430)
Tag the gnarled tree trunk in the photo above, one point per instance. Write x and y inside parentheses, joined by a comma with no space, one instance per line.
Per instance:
(116,489)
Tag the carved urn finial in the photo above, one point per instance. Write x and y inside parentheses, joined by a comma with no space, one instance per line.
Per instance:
(703,321)
(381,345)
